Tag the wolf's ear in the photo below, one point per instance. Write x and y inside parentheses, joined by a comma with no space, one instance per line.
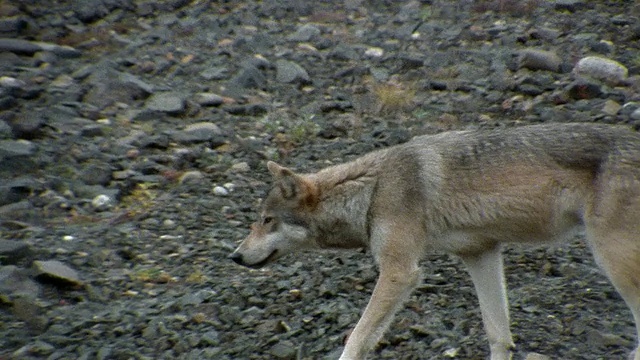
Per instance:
(288,182)
(293,185)
(278,171)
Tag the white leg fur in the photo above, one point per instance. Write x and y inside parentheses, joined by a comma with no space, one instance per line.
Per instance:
(487,273)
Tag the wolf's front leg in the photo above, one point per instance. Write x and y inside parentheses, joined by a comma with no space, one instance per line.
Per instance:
(397,278)
(486,270)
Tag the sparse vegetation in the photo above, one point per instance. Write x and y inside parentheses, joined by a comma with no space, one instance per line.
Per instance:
(140,200)
(393,97)
(151,275)
(295,130)
(511,7)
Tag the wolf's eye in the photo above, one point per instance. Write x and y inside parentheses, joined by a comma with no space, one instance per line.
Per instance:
(267,220)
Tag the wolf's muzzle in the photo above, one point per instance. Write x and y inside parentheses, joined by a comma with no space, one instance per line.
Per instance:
(239,259)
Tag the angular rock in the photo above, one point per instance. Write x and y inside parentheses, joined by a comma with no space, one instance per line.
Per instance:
(306,32)
(290,72)
(603,69)
(248,78)
(534,59)
(344,52)
(167,102)
(56,271)
(109,86)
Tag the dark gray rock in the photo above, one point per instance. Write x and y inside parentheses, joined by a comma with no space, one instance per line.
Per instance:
(19,46)
(96,173)
(17,189)
(584,89)
(530,89)
(27,127)
(108,86)
(344,52)
(56,271)
(13,25)
(13,251)
(248,110)
(535,59)
(90,10)
(249,78)
(570,5)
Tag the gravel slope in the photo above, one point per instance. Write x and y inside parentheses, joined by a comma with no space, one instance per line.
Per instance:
(133,138)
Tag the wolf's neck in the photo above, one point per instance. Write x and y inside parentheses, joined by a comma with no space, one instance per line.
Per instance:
(345,192)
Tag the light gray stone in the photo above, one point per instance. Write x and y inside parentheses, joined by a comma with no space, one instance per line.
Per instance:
(603,69)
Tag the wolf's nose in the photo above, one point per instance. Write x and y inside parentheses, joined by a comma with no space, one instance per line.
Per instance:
(237,258)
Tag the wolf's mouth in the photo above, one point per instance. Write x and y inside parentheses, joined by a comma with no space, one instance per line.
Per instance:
(264,262)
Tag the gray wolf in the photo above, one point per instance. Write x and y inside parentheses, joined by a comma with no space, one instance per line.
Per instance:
(465,193)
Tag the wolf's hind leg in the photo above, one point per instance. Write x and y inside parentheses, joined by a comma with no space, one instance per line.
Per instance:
(618,254)
(486,270)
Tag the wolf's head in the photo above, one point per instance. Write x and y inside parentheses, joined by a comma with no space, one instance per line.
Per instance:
(283,226)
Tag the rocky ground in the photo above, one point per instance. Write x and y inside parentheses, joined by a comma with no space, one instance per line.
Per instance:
(133,137)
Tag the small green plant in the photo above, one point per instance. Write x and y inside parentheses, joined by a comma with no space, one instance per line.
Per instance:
(511,7)
(297,130)
(393,97)
(426,13)
(141,198)
(151,275)
(197,277)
